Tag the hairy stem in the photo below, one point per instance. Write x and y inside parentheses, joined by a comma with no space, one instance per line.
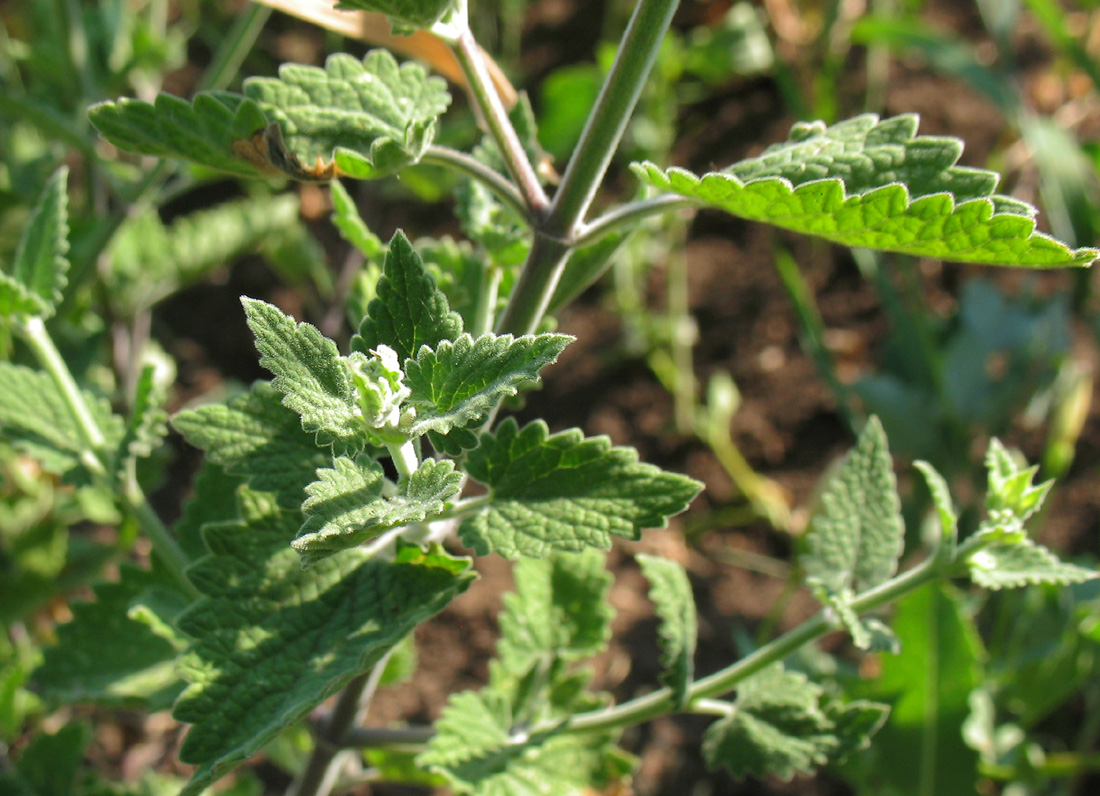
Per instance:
(556,236)
(471,167)
(500,127)
(630,215)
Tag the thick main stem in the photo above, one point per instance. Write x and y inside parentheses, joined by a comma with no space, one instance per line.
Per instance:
(600,139)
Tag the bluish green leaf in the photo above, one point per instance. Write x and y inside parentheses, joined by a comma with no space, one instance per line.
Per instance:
(856,535)
(670,590)
(871,183)
(273,640)
(312,376)
(564,492)
(255,436)
(346,506)
(460,382)
(408,310)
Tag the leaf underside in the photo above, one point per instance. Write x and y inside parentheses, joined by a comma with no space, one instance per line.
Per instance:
(873,183)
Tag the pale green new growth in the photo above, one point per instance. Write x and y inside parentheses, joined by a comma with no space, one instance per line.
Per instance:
(273,640)
(312,376)
(104,656)
(346,506)
(670,591)
(418,13)
(856,535)
(36,419)
(565,492)
(481,751)
(780,726)
(370,117)
(558,610)
(40,270)
(255,436)
(871,183)
(408,310)
(460,382)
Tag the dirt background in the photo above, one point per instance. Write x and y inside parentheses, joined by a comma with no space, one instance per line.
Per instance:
(788,426)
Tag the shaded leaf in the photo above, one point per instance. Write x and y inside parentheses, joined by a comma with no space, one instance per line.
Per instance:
(418,13)
(273,640)
(670,591)
(41,267)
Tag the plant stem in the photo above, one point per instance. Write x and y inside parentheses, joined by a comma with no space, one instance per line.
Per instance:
(500,127)
(471,167)
(555,237)
(660,702)
(93,457)
(631,214)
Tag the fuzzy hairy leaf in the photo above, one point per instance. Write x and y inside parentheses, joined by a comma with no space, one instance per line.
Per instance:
(670,591)
(856,536)
(213,499)
(418,13)
(255,436)
(873,183)
(460,382)
(312,376)
(408,310)
(370,116)
(346,507)
(780,726)
(36,420)
(945,508)
(479,752)
(148,423)
(1012,564)
(150,260)
(565,492)
(204,131)
(40,269)
(105,656)
(559,609)
(273,640)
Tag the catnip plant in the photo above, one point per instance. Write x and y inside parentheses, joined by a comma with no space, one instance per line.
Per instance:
(328,518)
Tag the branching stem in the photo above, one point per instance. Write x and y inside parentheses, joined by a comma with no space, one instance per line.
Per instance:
(472,167)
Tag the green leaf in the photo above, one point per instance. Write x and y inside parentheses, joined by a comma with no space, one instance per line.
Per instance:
(778,726)
(460,382)
(41,267)
(50,764)
(255,436)
(370,117)
(418,13)
(408,310)
(1012,564)
(106,656)
(149,261)
(945,509)
(565,492)
(148,423)
(214,499)
(208,131)
(36,420)
(480,751)
(871,183)
(856,534)
(273,640)
(920,750)
(346,507)
(670,590)
(558,610)
(312,376)
(1011,494)
(345,215)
